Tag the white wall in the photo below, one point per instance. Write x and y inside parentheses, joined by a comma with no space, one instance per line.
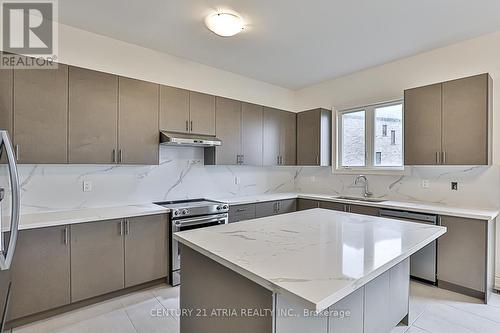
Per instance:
(81,48)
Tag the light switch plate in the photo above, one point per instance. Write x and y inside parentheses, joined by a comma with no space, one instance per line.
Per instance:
(237,180)
(454,186)
(425,183)
(87,186)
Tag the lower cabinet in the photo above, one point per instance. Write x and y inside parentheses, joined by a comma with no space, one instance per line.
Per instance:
(270,208)
(40,271)
(97,259)
(333,205)
(364,210)
(239,213)
(304,204)
(146,249)
(462,254)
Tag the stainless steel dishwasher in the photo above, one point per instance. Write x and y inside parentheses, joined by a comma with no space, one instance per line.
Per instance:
(423,262)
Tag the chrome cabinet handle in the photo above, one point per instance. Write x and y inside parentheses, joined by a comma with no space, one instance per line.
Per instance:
(65,237)
(120,156)
(239,210)
(120,228)
(187,125)
(127,227)
(444,157)
(242,159)
(114,155)
(191,125)
(277,160)
(5,262)
(17,152)
(437,157)
(317,159)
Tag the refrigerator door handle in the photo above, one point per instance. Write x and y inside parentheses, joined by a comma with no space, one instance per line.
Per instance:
(6,258)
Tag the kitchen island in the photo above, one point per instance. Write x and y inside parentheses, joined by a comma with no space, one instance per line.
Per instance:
(310,271)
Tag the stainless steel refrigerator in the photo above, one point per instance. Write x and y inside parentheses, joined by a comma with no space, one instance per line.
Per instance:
(9,219)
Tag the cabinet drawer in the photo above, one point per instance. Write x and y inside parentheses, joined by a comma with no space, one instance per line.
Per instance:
(303,204)
(364,210)
(287,206)
(333,205)
(241,212)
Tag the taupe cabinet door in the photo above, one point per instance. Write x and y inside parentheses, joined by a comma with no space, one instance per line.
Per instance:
(308,137)
(138,130)
(462,253)
(422,121)
(97,258)
(280,141)
(6,115)
(40,271)
(271,136)
(93,116)
(465,121)
(241,212)
(304,204)
(174,109)
(364,210)
(251,130)
(145,249)
(201,113)
(288,142)
(270,208)
(333,206)
(41,115)
(228,129)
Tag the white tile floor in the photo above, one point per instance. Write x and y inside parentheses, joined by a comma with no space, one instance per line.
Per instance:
(432,310)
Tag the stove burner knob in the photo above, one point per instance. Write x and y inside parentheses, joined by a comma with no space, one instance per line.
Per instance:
(185,212)
(176,212)
(225,207)
(219,207)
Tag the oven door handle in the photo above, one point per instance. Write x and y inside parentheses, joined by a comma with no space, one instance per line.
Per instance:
(200,220)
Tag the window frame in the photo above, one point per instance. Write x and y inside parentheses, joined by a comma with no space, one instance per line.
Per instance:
(370,134)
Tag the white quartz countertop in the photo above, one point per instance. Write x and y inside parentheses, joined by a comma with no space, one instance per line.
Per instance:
(50,219)
(431,208)
(314,257)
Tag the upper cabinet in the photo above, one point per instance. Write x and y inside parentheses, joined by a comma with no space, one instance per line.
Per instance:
(239,126)
(228,129)
(279,137)
(174,109)
(251,134)
(41,115)
(201,113)
(186,111)
(138,130)
(314,137)
(448,123)
(93,116)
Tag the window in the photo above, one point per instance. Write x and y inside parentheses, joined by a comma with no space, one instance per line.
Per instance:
(363,140)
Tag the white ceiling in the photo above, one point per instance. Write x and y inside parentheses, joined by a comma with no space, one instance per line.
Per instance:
(289,43)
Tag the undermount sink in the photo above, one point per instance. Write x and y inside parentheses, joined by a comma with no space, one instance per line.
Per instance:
(344,197)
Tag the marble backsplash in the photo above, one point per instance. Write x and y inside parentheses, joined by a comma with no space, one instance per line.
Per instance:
(478,186)
(181,174)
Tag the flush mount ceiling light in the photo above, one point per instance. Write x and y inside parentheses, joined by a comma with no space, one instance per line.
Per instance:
(224,24)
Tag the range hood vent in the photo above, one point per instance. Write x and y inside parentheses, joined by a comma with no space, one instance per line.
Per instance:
(190,140)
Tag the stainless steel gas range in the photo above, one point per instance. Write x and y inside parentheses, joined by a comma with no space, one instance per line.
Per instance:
(187,215)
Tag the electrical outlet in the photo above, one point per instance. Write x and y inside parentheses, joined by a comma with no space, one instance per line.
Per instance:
(87,186)
(237,180)
(425,183)
(454,186)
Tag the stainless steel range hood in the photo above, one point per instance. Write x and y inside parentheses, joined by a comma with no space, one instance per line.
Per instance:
(192,140)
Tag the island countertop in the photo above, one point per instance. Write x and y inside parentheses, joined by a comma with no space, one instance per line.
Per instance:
(314,257)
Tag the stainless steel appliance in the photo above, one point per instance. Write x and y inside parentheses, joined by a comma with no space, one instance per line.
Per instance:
(9,219)
(190,140)
(187,215)
(423,262)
